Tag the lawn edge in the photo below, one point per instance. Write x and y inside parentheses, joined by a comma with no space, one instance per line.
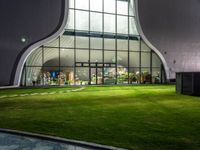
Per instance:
(59,140)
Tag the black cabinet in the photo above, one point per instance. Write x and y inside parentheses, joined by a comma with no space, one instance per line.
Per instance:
(188,83)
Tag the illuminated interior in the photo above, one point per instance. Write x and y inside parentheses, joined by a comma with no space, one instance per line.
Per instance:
(100,45)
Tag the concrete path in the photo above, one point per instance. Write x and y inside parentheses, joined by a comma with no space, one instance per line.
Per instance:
(17,140)
(45,93)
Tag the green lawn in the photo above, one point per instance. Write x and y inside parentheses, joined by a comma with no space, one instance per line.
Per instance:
(133,117)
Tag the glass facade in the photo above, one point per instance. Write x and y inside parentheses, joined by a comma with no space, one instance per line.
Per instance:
(100,45)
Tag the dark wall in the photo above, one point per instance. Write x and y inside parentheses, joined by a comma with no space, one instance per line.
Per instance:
(32,19)
(173,27)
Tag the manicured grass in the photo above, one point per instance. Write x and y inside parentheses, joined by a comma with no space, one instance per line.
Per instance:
(133,117)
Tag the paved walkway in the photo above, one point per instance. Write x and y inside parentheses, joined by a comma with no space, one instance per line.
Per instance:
(45,93)
(16,142)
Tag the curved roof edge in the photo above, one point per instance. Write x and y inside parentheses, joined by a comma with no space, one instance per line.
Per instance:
(141,33)
(30,49)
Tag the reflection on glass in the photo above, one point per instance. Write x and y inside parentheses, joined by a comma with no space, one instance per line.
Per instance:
(96,5)
(82,20)
(109,57)
(156,62)
(70,22)
(122,59)
(145,59)
(156,76)
(66,76)
(35,59)
(122,24)
(122,7)
(82,76)
(132,26)
(96,56)
(51,57)
(109,6)
(67,57)
(134,59)
(134,76)
(122,44)
(109,23)
(144,47)
(109,44)
(109,76)
(51,76)
(82,55)
(54,43)
(67,41)
(96,76)
(134,45)
(96,43)
(96,22)
(131,8)
(82,42)
(82,4)
(145,75)
(122,75)
(71,3)
(34,76)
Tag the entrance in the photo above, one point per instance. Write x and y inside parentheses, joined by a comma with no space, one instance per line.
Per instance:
(100,75)
(96,74)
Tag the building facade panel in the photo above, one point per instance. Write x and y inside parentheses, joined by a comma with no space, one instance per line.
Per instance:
(172,27)
(22,24)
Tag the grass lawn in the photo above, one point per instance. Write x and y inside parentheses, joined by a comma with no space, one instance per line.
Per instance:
(134,117)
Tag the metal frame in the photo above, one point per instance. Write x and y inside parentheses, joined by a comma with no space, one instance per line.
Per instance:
(103,35)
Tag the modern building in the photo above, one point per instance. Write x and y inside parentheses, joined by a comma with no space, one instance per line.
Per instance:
(95,42)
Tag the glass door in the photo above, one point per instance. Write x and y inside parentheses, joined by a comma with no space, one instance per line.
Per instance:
(109,76)
(96,75)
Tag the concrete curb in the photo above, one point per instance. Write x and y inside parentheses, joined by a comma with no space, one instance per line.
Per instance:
(60,140)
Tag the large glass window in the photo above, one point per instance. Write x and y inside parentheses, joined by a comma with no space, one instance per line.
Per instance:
(100,45)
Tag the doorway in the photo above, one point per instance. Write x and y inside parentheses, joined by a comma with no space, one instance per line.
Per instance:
(96,74)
